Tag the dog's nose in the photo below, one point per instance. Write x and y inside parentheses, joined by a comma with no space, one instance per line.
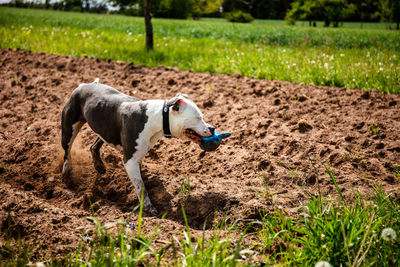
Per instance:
(212,129)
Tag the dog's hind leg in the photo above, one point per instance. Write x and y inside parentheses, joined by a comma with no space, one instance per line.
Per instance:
(95,150)
(71,123)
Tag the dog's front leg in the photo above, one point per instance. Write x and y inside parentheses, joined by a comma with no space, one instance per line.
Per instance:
(133,170)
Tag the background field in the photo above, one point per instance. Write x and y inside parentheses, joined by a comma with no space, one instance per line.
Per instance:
(349,56)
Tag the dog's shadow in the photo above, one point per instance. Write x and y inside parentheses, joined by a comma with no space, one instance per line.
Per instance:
(201,209)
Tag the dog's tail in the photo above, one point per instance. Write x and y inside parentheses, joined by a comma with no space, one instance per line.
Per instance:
(96,80)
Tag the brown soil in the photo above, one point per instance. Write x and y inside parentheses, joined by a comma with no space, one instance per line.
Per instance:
(281,132)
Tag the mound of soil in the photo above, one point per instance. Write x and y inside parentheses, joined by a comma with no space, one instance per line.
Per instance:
(281,134)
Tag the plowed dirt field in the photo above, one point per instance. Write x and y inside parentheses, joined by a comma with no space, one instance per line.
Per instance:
(281,134)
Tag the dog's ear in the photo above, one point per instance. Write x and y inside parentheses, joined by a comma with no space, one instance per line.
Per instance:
(176,103)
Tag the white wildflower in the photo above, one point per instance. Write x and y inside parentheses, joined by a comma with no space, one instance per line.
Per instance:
(323,264)
(388,234)
(342,55)
(381,69)
(105,50)
(326,65)
(312,62)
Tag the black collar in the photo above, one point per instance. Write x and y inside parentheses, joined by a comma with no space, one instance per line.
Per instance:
(165,115)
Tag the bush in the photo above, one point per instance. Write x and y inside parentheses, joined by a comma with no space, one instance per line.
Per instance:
(239,16)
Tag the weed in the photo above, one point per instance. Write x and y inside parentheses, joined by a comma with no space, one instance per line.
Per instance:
(266,192)
(209,89)
(396,172)
(373,130)
(355,154)
(185,188)
(295,175)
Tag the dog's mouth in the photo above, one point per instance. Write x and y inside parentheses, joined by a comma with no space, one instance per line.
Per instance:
(193,135)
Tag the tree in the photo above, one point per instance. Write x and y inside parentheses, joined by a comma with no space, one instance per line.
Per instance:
(149,26)
(122,4)
(330,11)
(205,7)
(234,5)
(389,11)
(268,9)
(333,11)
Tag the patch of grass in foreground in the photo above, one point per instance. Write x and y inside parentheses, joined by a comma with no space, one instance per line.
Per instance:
(336,57)
(360,233)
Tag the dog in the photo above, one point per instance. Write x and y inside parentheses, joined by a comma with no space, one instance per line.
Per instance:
(133,124)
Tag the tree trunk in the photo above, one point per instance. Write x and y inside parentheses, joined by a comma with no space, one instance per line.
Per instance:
(149,26)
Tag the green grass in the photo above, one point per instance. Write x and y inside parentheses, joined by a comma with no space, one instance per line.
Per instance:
(349,56)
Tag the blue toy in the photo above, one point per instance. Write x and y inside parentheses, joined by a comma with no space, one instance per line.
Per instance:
(212,143)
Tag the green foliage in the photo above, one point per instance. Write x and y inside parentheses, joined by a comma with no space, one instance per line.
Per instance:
(205,7)
(180,9)
(342,234)
(239,16)
(327,10)
(390,11)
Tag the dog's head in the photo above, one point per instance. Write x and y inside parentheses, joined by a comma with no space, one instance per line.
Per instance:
(186,119)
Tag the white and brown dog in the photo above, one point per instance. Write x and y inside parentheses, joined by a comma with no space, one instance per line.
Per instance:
(134,124)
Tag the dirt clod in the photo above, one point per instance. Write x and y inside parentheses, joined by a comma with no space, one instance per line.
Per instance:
(304,126)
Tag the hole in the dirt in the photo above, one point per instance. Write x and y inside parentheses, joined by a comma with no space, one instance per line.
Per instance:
(202,210)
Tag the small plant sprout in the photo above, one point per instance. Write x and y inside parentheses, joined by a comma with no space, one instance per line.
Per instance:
(388,234)
(396,172)
(185,186)
(209,89)
(373,130)
(323,264)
